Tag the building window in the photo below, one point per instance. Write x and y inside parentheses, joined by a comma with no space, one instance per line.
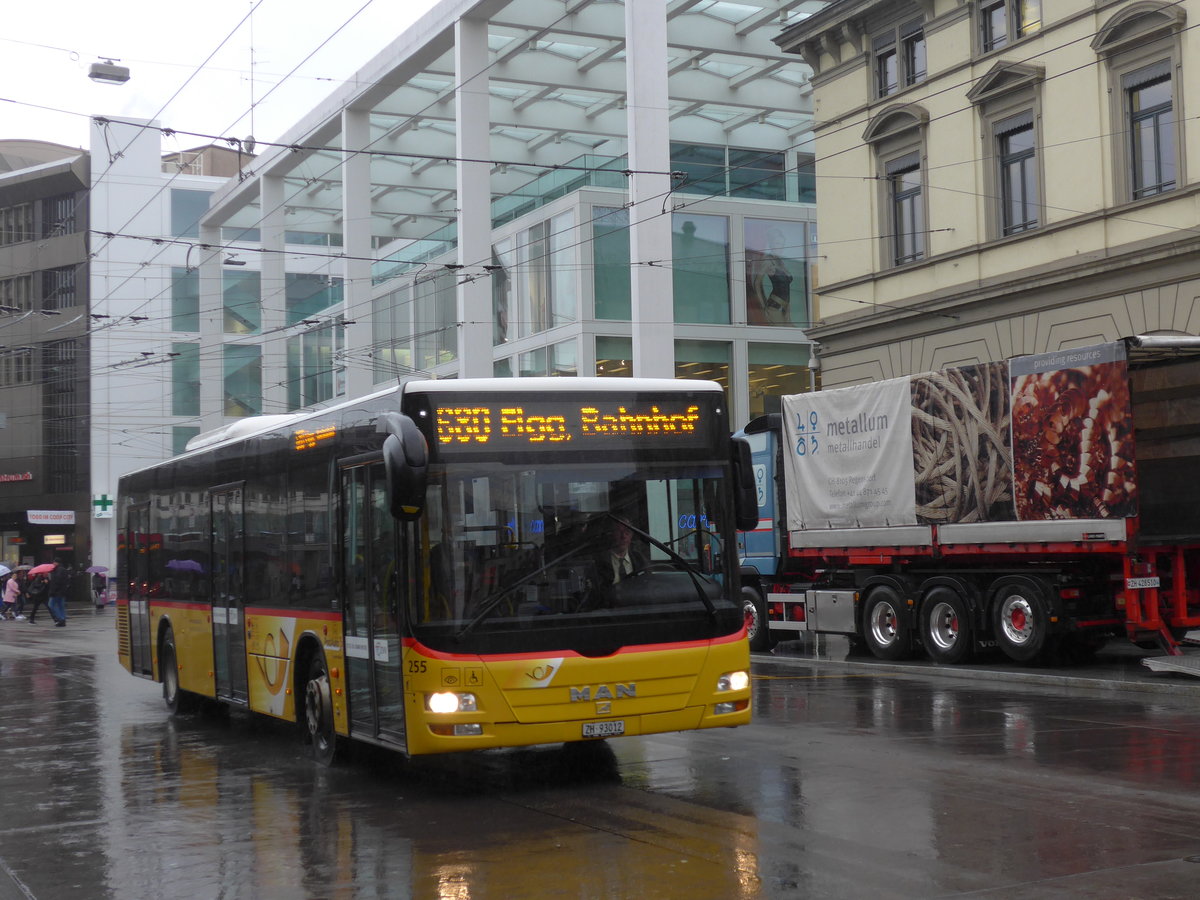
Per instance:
(308,295)
(1017,158)
(58,215)
(887,75)
(243,380)
(776,272)
(776,370)
(16,224)
(1151,131)
(611,287)
(16,294)
(315,373)
(700,267)
(58,288)
(186,209)
(914,58)
(180,435)
(243,307)
(897,138)
(185,380)
(391,335)
(899,58)
(905,188)
(614,356)
(1142,51)
(1001,22)
(185,299)
(16,367)
(1008,100)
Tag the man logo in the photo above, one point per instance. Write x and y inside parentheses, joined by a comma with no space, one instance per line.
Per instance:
(603,692)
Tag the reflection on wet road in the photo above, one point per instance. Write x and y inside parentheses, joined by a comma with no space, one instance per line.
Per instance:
(847,784)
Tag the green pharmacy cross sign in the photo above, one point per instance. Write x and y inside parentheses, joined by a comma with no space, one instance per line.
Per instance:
(102,507)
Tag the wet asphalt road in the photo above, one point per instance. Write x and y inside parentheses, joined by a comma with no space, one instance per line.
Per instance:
(855,780)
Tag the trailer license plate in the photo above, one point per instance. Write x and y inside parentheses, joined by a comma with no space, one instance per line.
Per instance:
(1134,584)
(603,729)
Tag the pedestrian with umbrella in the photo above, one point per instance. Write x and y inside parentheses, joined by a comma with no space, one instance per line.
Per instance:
(9,601)
(98,585)
(35,589)
(57,586)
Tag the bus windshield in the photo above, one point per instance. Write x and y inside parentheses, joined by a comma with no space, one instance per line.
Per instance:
(584,557)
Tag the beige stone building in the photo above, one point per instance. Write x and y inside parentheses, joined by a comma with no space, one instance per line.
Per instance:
(1000,177)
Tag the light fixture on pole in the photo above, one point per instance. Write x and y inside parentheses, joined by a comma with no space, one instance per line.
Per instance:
(108,72)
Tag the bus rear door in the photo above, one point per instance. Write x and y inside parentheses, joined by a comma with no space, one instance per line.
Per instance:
(228,572)
(137,567)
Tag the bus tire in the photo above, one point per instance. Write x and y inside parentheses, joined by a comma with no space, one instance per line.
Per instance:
(946,626)
(758,631)
(318,712)
(179,702)
(885,624)
(1021,622)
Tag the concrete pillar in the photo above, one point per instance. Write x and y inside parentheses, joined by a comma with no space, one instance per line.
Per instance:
(212,331)
(473,127)
(356,242)
(649,151)
(274,293)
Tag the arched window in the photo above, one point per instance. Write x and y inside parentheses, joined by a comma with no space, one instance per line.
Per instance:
(897,136)
(1140,47)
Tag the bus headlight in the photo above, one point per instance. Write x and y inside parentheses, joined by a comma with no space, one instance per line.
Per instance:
(733,681)
(450,702)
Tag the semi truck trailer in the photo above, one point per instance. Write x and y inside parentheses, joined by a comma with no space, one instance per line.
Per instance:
(1041,504)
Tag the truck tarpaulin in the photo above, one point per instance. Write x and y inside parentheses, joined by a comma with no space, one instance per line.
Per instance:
(947,447)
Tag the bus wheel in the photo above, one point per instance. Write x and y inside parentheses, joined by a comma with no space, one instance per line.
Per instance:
(318,712)
(1021,624)
(885,624)
(758,632)
(179,702)
(946,626)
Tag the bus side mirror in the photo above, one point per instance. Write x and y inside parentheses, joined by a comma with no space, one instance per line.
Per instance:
(745,496)
(406,461)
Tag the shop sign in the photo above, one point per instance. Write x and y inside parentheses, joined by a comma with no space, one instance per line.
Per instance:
(51,516)
(15,476)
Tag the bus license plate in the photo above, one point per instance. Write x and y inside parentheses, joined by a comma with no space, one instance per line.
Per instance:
(603,729)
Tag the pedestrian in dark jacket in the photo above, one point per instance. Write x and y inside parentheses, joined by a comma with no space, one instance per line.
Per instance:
(35,593)
(57,586)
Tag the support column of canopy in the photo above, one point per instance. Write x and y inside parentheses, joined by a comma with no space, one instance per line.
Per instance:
(473,130)
(653,306)
(356,242)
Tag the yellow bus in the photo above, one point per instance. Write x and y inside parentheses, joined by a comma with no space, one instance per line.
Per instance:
(450,565)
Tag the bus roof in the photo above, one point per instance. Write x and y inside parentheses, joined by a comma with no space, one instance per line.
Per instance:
(559,385)
(255,425)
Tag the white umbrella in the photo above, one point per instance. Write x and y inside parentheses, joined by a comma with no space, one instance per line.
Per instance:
(4,570)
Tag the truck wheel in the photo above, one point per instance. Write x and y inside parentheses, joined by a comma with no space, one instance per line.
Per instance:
(885,624)
(946,626)
(1021,624)
(754,608)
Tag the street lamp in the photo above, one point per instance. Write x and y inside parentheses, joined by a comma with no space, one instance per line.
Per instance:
(108,72)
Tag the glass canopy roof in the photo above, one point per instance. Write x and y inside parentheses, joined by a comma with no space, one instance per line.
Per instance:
(557,88)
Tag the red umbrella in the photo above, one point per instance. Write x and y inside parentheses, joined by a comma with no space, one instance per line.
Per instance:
(42,569)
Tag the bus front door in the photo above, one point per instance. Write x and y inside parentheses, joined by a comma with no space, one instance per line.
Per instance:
(228,573)
(369,568)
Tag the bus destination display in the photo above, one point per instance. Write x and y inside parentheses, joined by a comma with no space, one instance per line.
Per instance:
(553,424)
